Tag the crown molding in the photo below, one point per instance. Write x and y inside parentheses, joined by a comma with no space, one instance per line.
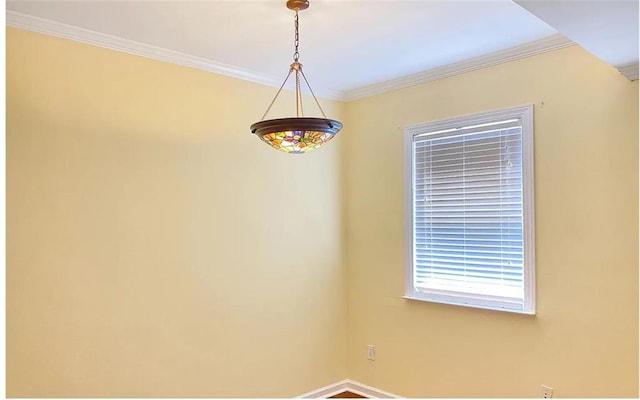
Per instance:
(41,25)
(550,43)
(630,71)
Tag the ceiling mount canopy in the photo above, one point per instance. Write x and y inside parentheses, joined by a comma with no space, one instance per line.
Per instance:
(297,5)
(297,134)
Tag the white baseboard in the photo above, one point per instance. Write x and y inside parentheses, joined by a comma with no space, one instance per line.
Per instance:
(351,386)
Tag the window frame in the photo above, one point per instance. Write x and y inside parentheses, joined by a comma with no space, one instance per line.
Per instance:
(525,114)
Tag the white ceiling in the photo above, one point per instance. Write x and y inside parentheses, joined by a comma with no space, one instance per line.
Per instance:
(346,45)
(608,29)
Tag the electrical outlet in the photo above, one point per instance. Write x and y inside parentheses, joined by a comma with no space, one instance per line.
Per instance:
(371,352)
(546,392)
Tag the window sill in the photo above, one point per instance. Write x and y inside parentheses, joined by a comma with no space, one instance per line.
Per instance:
(462,303)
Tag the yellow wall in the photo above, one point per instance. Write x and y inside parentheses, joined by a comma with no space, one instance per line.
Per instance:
(584,339)
(155,247)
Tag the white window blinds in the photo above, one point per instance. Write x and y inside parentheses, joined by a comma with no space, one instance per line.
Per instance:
(468,217)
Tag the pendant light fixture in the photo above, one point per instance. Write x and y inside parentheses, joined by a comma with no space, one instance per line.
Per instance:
(297,134)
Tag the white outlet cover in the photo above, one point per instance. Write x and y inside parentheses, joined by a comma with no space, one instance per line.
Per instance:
(371,352)
(546,392)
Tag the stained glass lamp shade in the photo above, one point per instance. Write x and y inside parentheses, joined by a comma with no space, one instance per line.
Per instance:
(297,134)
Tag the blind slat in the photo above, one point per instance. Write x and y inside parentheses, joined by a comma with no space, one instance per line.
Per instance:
(468,212)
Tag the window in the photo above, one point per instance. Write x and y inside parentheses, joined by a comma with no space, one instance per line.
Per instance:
(469,211)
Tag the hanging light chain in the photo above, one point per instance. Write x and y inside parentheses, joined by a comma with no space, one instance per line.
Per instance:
(296,42)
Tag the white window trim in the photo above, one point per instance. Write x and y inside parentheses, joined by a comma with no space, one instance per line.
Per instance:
(525,113)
